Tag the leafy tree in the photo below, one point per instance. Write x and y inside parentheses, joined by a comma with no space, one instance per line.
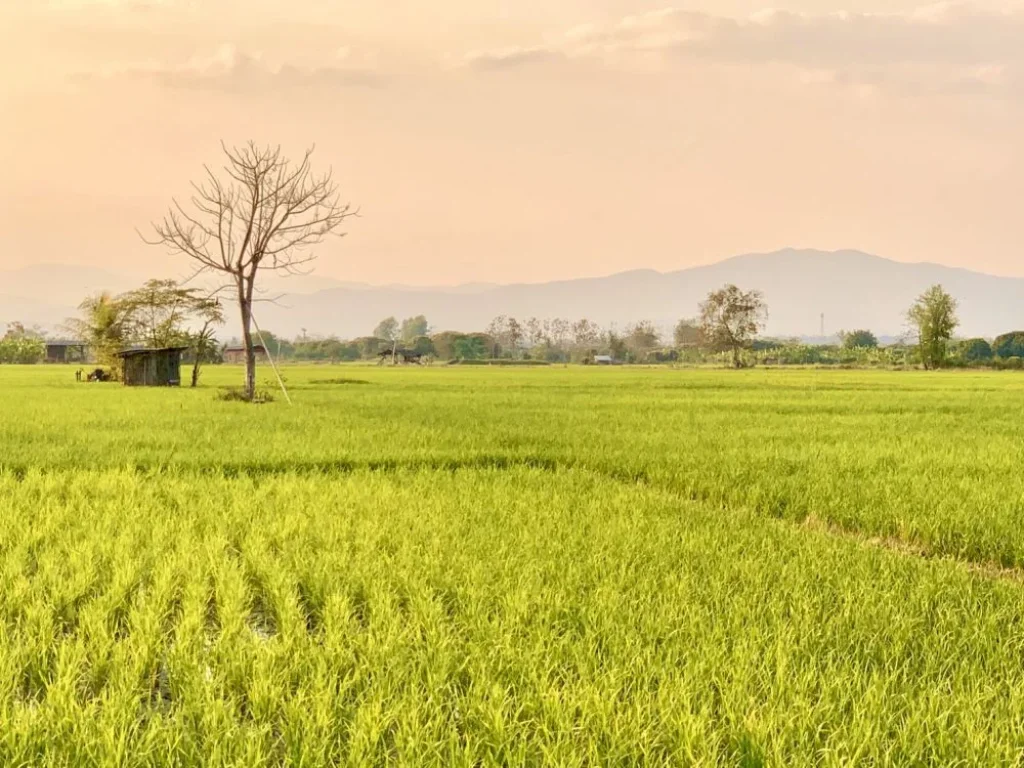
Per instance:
(371,346)
(160,312)
(104,326)
(641,339)
(687,333)
(422,345)
(1009,345)
(860,339)
(444,344)
(156,312)
(21,346)
(934,317)
(17,330)
(350,351)
(387,329)
(731,318)
(262,214)
(413,327)
(616,345)
(280,348)
(332,349)
(976,350)
(470,348)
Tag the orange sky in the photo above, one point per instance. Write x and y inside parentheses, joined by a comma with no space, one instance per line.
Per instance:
(527,140)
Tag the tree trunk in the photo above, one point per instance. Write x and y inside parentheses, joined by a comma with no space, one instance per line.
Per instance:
(245,302)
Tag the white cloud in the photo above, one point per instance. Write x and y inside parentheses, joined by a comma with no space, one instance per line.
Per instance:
(113,5)
(230,68)
(935,47)
(502,58)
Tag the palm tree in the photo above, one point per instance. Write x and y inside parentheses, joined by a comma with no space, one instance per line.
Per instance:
(103,326)
(203,341)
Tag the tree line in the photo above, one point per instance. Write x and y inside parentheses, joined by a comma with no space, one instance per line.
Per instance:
(162,313)
(726,330)
(262,213)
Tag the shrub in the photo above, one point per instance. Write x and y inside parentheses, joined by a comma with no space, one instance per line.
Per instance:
(975,350)
(1009,345)
(1013,363)
(237,395)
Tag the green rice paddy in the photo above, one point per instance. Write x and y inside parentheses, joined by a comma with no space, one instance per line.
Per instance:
(474,566)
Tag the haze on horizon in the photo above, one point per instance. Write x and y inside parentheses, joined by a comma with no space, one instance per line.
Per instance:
(523,141)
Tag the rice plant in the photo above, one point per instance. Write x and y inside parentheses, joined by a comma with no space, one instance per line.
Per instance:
(514,567)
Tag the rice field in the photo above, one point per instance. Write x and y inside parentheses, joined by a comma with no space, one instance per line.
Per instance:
(466,566)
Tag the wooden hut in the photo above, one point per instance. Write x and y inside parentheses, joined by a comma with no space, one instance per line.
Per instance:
(236,354)
(65,351)
(151,367)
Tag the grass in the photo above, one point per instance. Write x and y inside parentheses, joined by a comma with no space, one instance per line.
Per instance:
(464,566)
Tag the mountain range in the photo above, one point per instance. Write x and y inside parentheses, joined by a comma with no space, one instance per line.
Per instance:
(851,288)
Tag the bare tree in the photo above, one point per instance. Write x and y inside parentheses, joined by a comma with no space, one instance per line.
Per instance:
(262,213)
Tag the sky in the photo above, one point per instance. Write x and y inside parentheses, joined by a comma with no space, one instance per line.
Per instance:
(526,140)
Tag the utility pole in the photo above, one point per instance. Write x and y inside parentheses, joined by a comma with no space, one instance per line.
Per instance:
(822,326)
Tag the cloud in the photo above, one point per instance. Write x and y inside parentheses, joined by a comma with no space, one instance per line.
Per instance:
(229,68)
(504,58)
(949,44)
(105,5)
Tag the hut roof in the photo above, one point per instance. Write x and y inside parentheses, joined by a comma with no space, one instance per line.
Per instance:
(148,351)
(65,343)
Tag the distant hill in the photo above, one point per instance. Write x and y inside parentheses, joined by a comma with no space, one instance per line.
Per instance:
(853,290)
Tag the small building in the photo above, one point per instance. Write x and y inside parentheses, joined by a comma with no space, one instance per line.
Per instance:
(236,355)
(604,360)
(65,351)
(151,367)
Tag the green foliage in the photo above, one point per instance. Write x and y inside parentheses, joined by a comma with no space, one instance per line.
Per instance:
(933,314)
(975,350)
(387,329)
(483,566)
(1009,345)
(370,346)
(641,340)
(281,348)
(616,346)
(469,348)
(160,313)
(105,325)
(413,327)
(730,319)
(20,346)
(422,345)
(330,350)
(860,339)
(687,334)
(239,395)
(1008,363)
